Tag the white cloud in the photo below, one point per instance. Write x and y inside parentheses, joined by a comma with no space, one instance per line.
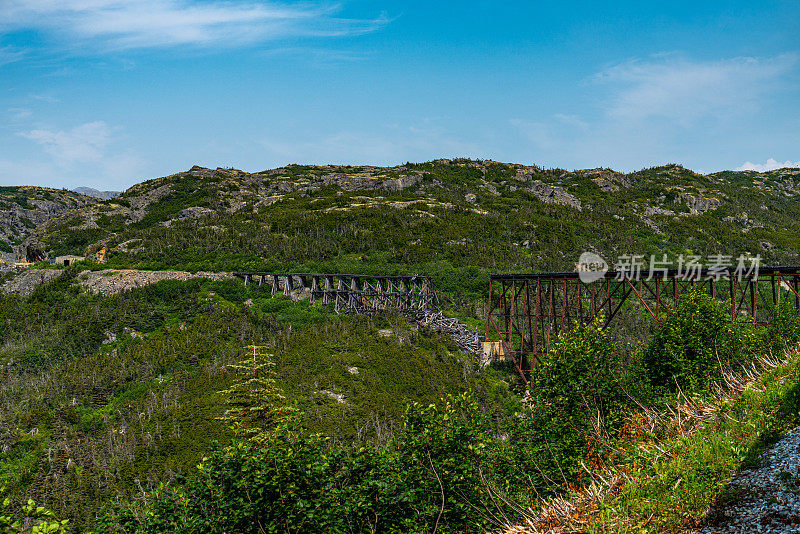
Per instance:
(90,154)
(770,165)
(665,109)
(126,24)
(687,91)
(115,172)
(84,143)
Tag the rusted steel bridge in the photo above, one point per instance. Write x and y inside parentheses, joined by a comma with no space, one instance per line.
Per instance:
(413,296)
(527,312)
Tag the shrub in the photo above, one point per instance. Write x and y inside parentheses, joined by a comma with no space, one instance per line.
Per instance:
(784,330)
(429,478)
(582,374)
(31,518)
(690,345)
(578,392)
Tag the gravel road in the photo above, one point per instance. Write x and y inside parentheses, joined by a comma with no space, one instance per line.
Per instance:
(765,498)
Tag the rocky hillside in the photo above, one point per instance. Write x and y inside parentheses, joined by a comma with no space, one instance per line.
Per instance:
(114,375)
(463,212)
(24,208)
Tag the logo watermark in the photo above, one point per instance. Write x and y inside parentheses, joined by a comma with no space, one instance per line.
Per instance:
(592,267)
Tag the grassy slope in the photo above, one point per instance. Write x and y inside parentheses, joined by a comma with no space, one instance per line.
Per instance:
(675,491)
(86,421)
(667,473)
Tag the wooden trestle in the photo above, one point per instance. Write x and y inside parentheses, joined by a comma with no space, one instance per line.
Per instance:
(355,293)
(527,312)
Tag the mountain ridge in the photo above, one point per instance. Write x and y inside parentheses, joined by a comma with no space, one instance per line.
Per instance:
(652,204)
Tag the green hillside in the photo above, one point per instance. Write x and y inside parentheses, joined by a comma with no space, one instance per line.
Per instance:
(106,399)
(461,212)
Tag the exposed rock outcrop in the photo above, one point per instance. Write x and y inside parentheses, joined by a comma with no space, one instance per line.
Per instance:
(698,205)
(24,208)
(26,282)
(552,194)
(112,281)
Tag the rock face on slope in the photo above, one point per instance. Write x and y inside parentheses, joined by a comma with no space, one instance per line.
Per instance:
(24,283)
(112,281)
(24,208)
(699,204)
(106,282)
(96,193)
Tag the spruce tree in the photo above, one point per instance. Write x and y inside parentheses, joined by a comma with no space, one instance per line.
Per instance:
(255,400)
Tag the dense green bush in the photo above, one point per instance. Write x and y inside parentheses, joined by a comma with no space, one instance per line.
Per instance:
(784,330)
(583,375)
(30,519)
(578,393)
(691,345)
(429,478)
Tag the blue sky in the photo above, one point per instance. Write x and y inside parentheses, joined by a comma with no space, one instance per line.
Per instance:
(106,93)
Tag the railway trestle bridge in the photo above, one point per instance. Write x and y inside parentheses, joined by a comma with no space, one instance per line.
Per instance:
(528,311)
(355,293)
(412,296)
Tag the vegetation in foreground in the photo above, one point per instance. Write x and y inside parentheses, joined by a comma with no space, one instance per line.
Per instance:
(107,397)
(454,467)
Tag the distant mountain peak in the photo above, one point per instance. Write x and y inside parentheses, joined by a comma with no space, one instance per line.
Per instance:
(92,192)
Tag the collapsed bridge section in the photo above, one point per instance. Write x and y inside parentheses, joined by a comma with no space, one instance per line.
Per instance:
(412,296)
(528,311)
(357,293)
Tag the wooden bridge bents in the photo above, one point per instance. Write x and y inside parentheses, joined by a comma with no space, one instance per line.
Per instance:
(412,296)
(356,293)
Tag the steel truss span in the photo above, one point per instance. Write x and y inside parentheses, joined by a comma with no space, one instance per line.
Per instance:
(527,312)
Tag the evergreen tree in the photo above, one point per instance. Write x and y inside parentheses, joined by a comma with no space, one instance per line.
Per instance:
(255,400)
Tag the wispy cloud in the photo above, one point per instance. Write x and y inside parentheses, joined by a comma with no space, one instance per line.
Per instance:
(686,91)
(20,113)
(90,154)
(45,98)
(319,57)
(127,24)
(664,109)
(84,143)
(770,165)
(10,54)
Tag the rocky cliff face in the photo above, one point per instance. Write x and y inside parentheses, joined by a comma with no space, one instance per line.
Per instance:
(24,208)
